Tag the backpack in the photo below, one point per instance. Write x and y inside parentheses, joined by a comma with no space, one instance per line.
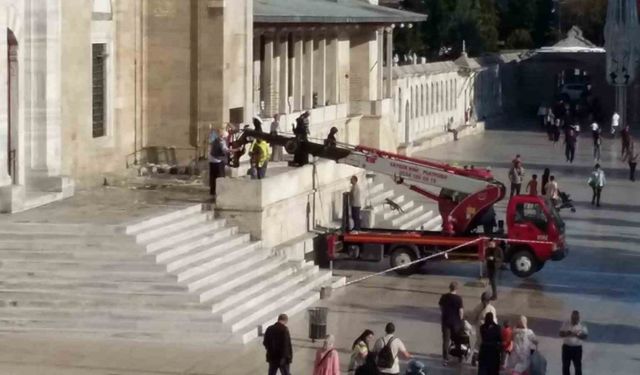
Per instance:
(217,151)
(386,359)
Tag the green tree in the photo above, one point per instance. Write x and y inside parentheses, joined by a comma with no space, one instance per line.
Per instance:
(519,39)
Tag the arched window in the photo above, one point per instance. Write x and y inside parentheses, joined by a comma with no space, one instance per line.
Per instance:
(433,98)
(422,100)
(411,103)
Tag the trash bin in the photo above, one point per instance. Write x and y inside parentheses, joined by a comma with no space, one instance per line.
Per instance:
(318,323)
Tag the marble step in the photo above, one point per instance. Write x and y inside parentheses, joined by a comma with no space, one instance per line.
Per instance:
(80,255)
(116,275)
(294,306)
(58,240)
(71,265)
(255,285)
(96,286)
(105,300)
(210,291)
(256,301)
(209,260)
(208,239)
(397,221)
(187,222)
(76,229)
(383,207)
(435,223)
(209,228)
(374,188)
(391,214)
(275,304)
(380,197)
(157,220)
(418,221)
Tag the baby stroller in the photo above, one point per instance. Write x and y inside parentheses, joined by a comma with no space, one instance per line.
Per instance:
(565,201)
(416,368)
(460,346)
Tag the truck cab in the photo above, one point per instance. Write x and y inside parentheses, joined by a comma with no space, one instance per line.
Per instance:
(535,233)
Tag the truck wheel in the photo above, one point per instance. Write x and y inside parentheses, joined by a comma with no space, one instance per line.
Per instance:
(524,264)
(402,256)
(291,146)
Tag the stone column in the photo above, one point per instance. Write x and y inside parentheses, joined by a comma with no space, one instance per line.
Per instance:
(332,70)
(298,73)
(320,74)
(389,88)
(307,86)
(267,78)
(4,110)
(257,72)
(283,55)
(380,63)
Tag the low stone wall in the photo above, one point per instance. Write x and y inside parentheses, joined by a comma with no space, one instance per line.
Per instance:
(286,205)
(442,138)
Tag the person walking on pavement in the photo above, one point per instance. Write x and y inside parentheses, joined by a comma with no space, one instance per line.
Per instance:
(632,160)
(545,179)
(360,351)
(327,359)
(388,349)
(625,138)
(493,259)
(570,141)
(615,121)
(573,333)
(597,180)
(524,343)
(532,186)
(491,346)
(552,190)
(452,312)
(516,176)
(355,198)
(597,141)
(277,342)
(276,150)
(478,315)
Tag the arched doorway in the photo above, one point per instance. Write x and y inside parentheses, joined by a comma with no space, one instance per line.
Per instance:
(12,104)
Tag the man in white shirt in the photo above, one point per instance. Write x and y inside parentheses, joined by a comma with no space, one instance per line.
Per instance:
(573,333)
(355,196)
(397,349)
(615,121)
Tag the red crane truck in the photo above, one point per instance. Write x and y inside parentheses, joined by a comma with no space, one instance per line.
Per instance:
(535,230)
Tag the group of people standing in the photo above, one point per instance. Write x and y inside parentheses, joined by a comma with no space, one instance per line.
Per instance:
(548,186)
(514,348)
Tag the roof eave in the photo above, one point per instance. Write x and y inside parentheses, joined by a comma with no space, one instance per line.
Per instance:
(332,19)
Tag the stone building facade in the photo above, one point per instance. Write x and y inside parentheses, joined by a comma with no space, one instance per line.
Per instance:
(91,85)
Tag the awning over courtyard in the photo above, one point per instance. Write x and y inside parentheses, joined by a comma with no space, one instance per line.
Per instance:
(329,11)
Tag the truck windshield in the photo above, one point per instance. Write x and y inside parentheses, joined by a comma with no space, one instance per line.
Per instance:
(555,214)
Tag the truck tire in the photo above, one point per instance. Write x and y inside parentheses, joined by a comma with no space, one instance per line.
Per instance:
(403,255)
(523,263)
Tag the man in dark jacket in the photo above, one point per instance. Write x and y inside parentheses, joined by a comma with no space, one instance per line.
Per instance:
(493,259)
(278,344)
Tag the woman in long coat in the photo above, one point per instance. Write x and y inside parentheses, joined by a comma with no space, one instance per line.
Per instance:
(491,347)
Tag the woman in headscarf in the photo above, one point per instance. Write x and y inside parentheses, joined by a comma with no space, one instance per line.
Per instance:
(327,359)
(360,350)
(524,342)
(491,347)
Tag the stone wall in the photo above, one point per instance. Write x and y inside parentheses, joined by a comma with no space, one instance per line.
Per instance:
(286,205)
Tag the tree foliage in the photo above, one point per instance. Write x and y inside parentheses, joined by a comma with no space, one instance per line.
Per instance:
(487,25)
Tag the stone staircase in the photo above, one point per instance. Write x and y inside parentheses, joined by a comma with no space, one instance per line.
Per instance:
(415,214)
(181,276)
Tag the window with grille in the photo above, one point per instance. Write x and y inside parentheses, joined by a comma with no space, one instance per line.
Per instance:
(99,56)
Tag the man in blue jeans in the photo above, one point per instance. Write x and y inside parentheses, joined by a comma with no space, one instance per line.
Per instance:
(573,332)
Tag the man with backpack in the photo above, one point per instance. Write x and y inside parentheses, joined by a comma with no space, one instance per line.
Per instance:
(387,349)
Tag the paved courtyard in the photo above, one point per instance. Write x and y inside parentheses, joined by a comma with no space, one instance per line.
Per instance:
(601,278)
